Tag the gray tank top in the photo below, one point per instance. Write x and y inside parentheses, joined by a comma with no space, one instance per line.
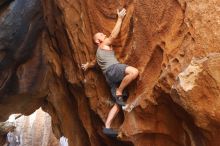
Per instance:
(105,58)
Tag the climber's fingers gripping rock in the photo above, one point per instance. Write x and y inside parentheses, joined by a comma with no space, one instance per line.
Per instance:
(85,66)
(122,13)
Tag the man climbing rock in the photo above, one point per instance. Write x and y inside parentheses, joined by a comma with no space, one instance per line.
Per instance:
(117,75)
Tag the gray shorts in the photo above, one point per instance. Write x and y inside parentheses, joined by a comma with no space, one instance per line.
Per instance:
(114,75)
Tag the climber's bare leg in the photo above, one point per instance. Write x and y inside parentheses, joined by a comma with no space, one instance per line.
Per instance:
(131,73)
(111,115)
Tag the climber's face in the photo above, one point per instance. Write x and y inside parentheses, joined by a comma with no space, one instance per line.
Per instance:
(99,37)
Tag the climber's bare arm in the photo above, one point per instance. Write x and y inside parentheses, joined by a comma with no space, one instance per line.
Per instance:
(89,65)
(121,14)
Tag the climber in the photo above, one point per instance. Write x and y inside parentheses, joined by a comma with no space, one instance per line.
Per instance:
(117,75)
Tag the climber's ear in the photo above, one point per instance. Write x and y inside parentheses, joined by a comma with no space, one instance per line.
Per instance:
(97,41)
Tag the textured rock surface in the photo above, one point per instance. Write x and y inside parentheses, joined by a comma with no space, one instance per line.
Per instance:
(174,44)
(5,127)
(36,130)
(204,83)
(22,68)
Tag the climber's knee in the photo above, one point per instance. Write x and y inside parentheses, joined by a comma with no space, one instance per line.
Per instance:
(135,73)
(132,71)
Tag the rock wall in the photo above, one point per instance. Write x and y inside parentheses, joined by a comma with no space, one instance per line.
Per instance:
(32,130)
(173,43)
(36,130)
(23,68)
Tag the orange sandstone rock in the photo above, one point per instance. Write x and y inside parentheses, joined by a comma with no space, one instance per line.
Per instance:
(170,42)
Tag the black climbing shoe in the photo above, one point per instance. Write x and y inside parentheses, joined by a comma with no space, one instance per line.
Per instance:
(119,100)
(125,95)
(110,132)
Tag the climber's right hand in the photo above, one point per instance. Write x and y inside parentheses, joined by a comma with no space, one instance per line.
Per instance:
(85,66)
(122,13)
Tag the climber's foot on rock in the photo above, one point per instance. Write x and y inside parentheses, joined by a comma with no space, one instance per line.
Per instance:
(128,107)
(110,132)
(119,97)
(119,100)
